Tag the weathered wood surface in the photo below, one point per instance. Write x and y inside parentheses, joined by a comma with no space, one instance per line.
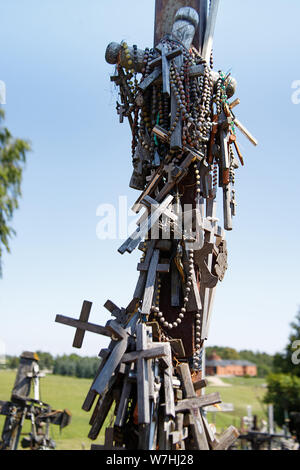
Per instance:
(100,330)
(210,29)
(198,402)
(124,400)
(168,384)
(140,287)
(164,16)
(195,417)
(22,385)
(150,284)
(151,353)
(200,384)
(246,133)
(84,317)
(91,395)
(132,242)
(114,359)
(227,439)
(142,377)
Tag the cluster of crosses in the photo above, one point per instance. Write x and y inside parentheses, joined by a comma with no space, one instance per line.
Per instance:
(184,147)
(23,407)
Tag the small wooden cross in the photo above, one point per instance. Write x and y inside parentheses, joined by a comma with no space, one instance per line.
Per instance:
(161,67)
(82,325)
(165,68)
(121,110)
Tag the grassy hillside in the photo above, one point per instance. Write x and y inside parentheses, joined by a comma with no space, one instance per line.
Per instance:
(242,392)
(60,392)
(68,392)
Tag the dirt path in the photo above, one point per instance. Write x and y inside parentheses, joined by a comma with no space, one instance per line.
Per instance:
(217,382)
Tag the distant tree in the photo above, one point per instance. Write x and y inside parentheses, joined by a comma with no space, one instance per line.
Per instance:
(263,361)
(223,352)
(284,393)
(12,160)
(12,362)
(46,360)
(285,362)
(73,365)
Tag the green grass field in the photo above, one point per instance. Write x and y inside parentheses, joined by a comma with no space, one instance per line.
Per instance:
(60,392)
(243,392)
(68,392)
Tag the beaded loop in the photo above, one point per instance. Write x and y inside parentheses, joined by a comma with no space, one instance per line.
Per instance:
(156,311)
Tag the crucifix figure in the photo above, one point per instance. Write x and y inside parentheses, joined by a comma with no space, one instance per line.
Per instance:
(183,150)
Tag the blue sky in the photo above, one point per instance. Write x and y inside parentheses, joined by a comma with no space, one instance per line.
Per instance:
(60,97)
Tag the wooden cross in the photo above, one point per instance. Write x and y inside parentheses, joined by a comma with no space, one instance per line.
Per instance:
(133,241)
(195,417)
(164,60)
(112,328)
(82,324)
(121,110)
(161,67)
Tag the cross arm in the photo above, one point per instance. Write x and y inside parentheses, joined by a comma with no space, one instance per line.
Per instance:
(154,352)
(100,330)
(198,402)
(169,56)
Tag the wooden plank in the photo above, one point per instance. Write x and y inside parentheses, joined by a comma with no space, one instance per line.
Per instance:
(177,347)
(110,366)
(151,353)
(112,308)
(140,287)
(210,29)
(116,329)
(168,384)
(84,317)
(224,149)
(176,137)
(175,286)
(194,303)
(200,384)
(203,13)
(227,439)
(91,395)
(227,207)
(164,61)
(181,432)
(123,405)
(150,79)
(212,440)
(150,284)
(142,377)
(114,359)
(246,133)
(211,212)
(100,330)
(101,413)
(198,402)
(195,417)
